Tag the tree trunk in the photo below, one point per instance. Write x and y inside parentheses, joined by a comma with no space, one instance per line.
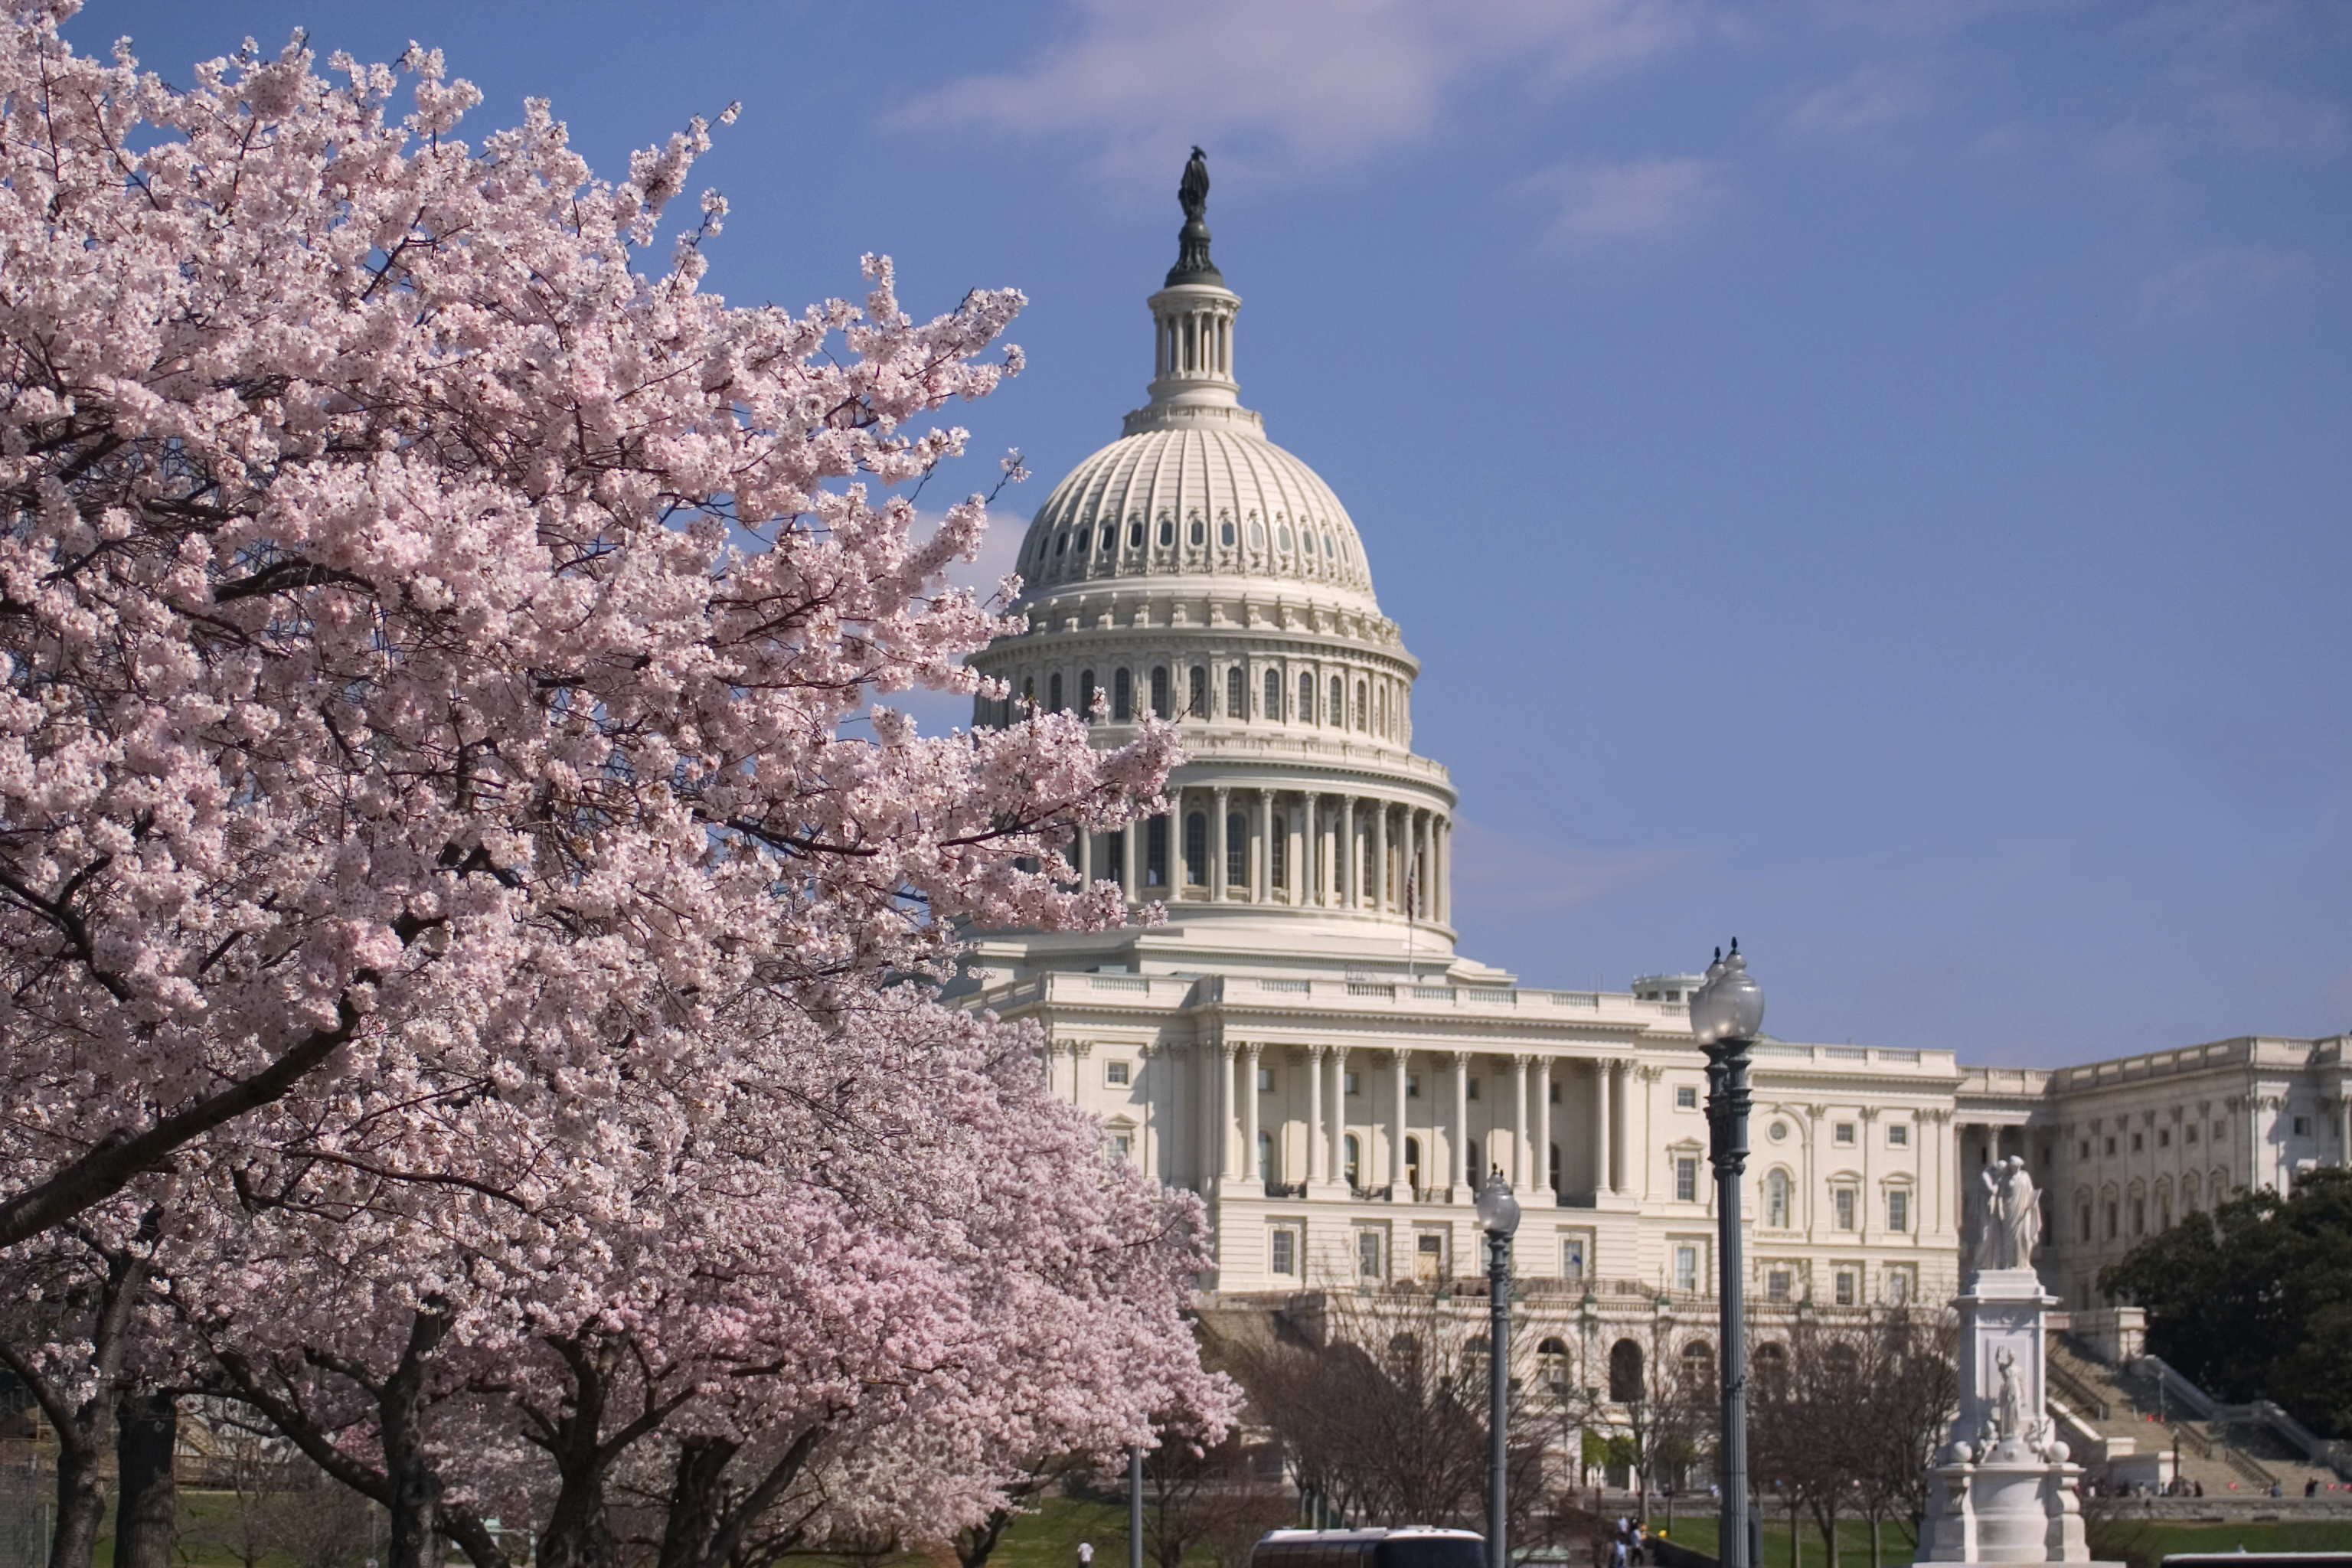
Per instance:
(975,1543)
(1833,1532)
(146,1431)
(1874,1562)
(1796,1535)
(81,1503)
(414,1500)
(694,1500)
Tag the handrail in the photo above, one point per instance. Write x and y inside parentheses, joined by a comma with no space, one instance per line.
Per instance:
(2176,1387)
(2080,1392)
(2247,1466)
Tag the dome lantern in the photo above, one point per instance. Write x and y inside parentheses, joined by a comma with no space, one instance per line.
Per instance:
(1192,385)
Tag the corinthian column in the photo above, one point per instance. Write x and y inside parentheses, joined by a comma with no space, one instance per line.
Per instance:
(1318,1141)
(1217,846)
(1541,1184)
(1249,1115)
(1345,863)
(1466,1180)
(1379,878)
(1601,1154)
(1522,1180)
(1396,1125)
(1262,883)
(1339,1113)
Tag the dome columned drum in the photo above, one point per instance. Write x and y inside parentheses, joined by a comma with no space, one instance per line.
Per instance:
(1194,570)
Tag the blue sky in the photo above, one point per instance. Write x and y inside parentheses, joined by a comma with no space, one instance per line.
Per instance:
(1872,477)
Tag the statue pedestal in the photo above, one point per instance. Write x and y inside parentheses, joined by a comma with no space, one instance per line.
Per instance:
(2001,1491)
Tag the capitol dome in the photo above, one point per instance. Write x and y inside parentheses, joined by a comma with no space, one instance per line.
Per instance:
(1193,570)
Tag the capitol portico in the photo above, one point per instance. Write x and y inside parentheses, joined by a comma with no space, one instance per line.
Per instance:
(1301,1043)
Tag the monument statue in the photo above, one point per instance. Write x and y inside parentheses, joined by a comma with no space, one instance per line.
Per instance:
(1192,191)
(2011,1226)
(2008,1408)
(1192,263)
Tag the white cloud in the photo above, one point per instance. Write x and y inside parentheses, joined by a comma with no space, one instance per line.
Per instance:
(2251,116)
(1507,874)
(1637,198)
(1865,103)
(2204,281)
(1298,83)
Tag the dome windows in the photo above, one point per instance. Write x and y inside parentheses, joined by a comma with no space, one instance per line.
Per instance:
(1062,544)
(1337,713)
(1135,533)
(1225,532)
(1109,537)
(1167,530)
(1273,696)
(1122,692)
(1282,536)
(1257,535)
(1306,714)
(1199,534)
(1236,694)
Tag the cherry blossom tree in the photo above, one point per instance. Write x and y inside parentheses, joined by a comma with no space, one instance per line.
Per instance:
(469,941)
(422,629)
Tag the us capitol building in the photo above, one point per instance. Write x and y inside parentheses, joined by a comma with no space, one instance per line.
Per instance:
(1301,1043)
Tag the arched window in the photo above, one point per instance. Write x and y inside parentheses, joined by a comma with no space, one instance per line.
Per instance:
(1624,1371)
(1844,1359)
(1412,1160)
(1160,708)
(1257,535)
(2163,1204)
(1282,536)
(1470,1158)
(1196,850)
(1776,1200)
(2188,1192)
(1122,696)
(1061,544)
(1338,712)
(1771,1369)
(1405,1360)
(1029,691)
(1273,696)
(1553,1366)
(1474,1366)
(1380,710)
(1236,693)
(1155,852)
(1167,532)
(1699,1370)
(1053,691)
(1086,691)
(1265,1156)
(1199,707)
(1135,533)
(1225,532)
(1199,533)
(1236,849)
(1351,1160)
(1278,852)
(1109,537)
(1363,703)
(1306,699)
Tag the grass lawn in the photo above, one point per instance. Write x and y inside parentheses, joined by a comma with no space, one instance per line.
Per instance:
(1853,1539)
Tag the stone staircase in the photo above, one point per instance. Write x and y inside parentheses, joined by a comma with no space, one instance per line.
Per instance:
(2136,1433)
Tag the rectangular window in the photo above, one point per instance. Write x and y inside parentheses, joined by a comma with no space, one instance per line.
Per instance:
(1555,1091)
(1898,1210)
(2084,1151)
(1687,1097)
(1686,1268)
(1115,1074)
(1284,1259)
(1685,1179)
(2086,1221)
(1898,1135)
(1842,1133)
(1899,1288)
(2191,1131)
(2164,1137)
(1122,1144)
(2139,1141)
(1368,1254)
(1412,1085)
(1572,1257)
(2220,1133)
(2110,1147)
(1776,1284)
(1472,1092)
(2140,1216)
(1846,1287)
(1842,1203)
(1348,1084)
(2303,1126)
(1266,1080)
(1155,852)
(2111,1222)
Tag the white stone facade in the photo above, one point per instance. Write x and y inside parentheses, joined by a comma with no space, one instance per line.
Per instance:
(1301,1043)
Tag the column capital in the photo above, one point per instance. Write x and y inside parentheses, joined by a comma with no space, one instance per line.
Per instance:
(1460,1061)
(1082,1048)
(1253,1048)
(1313,1053)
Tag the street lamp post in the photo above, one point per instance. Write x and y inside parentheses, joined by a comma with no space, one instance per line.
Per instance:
(1726,1012)
(1499,1215)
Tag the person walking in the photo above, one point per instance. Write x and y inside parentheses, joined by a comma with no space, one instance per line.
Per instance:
(1086,1554)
